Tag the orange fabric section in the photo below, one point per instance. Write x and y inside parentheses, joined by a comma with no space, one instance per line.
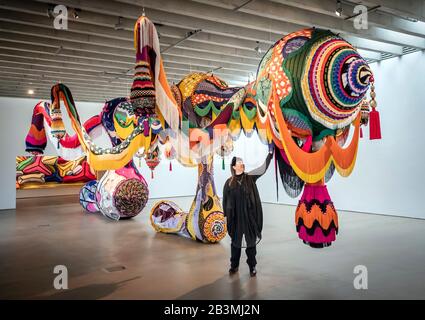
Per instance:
(39,135)
(316,214)
(312,167)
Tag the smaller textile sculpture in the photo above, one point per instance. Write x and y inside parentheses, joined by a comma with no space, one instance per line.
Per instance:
(51,169)
(205,220)
(122,193)
(167,217)
(119,194)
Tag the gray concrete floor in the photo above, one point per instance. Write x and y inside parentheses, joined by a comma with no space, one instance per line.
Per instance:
(40,235)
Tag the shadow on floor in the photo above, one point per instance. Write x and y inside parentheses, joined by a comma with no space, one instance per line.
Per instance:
(90,292)
(227,287)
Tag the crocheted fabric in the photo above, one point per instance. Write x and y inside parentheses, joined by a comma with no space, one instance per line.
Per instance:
(316,219)
(334,81)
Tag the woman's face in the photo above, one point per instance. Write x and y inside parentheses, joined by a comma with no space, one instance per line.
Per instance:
(239,166)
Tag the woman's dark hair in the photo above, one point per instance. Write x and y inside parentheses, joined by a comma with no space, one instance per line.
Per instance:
(232,170)
(232,164)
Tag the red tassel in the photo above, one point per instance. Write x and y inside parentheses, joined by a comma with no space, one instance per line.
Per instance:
(375,125)
(361,132)
(171,167)
(151,174)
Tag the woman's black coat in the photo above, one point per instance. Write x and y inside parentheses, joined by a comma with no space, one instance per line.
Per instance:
(242,207)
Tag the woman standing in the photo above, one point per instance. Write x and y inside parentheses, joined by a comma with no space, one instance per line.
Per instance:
(242,208)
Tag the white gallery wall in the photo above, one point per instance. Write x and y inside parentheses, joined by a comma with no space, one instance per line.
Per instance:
(388,177)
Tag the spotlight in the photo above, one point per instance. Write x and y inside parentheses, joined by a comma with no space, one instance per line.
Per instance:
(77,13)
(31,91)
(338,10)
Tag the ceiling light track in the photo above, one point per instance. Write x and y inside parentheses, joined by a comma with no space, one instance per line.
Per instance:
(369,10)
(242,5)
(188,35)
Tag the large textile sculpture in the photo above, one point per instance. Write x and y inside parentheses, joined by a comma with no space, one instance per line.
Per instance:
(310,92)
(308,100)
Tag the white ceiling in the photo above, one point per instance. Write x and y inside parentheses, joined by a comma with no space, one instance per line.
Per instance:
(95,58)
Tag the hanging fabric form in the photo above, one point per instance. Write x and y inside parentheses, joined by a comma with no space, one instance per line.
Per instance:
(316,219)
(119,193)
(152,160)
(310,85)
(68,147)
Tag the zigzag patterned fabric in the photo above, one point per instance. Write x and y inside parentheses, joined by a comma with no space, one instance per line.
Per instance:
(316,219)
(142,94)
(36,139)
